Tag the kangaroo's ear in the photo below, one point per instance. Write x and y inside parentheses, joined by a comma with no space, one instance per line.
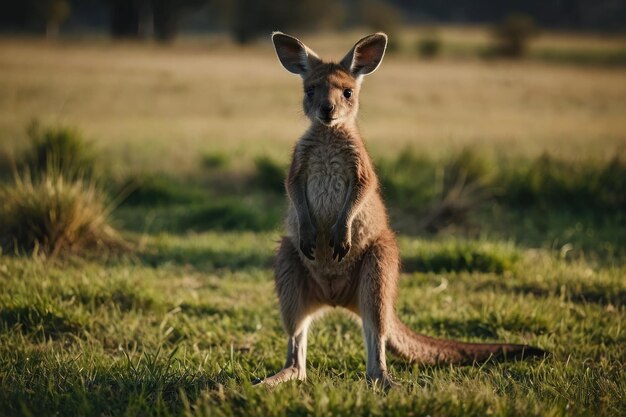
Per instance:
(366,55)
(295,56)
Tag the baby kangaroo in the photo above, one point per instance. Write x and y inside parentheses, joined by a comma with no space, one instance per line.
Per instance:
(339,249)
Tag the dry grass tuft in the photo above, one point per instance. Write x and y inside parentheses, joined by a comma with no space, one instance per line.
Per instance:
(52,215)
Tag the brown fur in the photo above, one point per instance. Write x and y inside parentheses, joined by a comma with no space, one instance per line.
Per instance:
(339,249)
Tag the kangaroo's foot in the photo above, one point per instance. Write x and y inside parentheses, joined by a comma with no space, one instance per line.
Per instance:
(286,374)
(383,380)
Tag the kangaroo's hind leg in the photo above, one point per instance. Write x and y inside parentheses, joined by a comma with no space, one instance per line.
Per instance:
(298,304)
(376,303)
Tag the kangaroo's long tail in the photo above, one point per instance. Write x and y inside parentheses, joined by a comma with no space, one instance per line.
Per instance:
(431,351)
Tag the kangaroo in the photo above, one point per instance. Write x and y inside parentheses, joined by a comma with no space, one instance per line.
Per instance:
(339,249)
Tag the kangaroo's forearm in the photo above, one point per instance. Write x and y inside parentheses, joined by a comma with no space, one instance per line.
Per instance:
(296,190)
(355,197)
(358,189)
(296,187)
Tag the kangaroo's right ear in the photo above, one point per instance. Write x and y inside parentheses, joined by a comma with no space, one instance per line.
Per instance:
(295,56)
(366,55)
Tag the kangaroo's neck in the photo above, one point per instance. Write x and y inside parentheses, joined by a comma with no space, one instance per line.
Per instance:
(347,131)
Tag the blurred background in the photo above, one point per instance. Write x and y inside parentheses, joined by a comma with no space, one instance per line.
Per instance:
(494,119)
(247,20)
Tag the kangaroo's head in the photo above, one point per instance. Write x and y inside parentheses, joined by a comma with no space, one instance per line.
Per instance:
(331,90)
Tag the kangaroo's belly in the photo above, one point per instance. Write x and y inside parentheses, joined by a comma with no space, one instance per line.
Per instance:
(327,186)
(328,181)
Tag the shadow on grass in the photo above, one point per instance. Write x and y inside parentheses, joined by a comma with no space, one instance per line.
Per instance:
(207,259)
(602,295)
(204,310)
(486,328)
(460,328)
(124,298)
(224,215)
(576,291)
(461,259)
(35,319)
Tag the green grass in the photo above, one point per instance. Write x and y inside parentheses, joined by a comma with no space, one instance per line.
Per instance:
(183,328)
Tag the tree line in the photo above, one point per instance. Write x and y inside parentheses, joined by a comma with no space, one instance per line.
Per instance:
(247,19)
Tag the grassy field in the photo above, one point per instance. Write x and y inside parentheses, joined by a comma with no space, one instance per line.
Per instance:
(186,326)
(191,99)
(506,183)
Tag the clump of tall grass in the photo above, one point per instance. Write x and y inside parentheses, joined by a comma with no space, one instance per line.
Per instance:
(54,205)
(52,214)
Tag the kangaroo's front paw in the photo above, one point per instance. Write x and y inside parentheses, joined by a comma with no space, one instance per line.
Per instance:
(308,237)
(340,242)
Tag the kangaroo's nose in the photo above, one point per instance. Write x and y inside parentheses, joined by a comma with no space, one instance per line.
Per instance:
(327,108)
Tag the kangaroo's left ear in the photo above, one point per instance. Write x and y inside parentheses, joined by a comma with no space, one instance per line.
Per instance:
(295,56)
(366,55)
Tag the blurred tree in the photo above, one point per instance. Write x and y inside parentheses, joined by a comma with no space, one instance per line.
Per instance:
(429,45)
(137,18)
(253,18)
(167,15)
(513,34)
(250,18)
(379,15)
(53,13)
(223,12)
(320,14)
(126,18)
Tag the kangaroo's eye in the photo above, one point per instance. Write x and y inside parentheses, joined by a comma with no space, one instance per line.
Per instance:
(309,92)
(347,93)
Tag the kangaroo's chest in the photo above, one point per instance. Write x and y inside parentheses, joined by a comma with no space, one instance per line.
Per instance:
(327,183)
